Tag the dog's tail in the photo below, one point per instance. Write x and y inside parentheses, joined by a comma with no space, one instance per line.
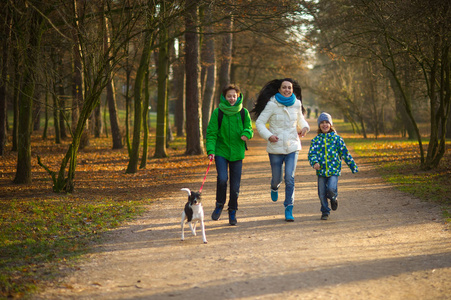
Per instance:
(187,190)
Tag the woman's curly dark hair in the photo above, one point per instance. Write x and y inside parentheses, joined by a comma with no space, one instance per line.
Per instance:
(270,89)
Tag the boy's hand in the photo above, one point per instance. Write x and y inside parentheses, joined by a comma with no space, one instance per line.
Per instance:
(316,166)
(244,138)
(211,157)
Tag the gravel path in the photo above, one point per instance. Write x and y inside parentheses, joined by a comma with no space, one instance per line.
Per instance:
(379,244)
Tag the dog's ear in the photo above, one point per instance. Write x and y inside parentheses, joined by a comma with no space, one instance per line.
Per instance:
(187,190)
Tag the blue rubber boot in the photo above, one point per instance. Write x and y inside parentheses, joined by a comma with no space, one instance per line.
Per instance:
(289,213)
(274,195)
(232,217)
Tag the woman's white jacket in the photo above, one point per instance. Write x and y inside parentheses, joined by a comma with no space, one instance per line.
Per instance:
(284,122)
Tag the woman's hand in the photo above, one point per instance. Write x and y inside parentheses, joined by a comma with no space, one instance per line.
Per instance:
(244,138)
(211,157)
(303,132)
(273,139)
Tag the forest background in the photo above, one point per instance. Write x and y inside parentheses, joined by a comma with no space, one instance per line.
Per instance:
(82,77)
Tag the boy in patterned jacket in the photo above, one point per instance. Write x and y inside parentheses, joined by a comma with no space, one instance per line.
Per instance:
(326,151)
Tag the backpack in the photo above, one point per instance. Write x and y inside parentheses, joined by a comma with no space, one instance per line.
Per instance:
(221,115)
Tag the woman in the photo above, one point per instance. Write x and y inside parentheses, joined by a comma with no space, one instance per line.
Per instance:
(228,131)
(279,104)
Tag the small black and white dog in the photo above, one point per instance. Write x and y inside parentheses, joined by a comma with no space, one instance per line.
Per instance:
(193,213)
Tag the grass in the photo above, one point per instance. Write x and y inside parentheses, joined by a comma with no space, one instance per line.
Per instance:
(398,162)
(36,235)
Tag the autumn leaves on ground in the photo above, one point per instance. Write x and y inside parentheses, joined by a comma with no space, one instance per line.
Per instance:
(41,230)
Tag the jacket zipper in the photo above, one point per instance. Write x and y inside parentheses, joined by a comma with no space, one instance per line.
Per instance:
(325,155)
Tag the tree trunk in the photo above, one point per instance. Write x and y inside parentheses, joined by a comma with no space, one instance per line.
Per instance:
(23,172)
(179,91)
(63,118)
(194,140)
(162,105)
(111,94)
(17,84)
(209,60)
(226,57)
(98,120)
(46,115)
(56,116)
(127,104)
(439,95)
(37,110)
(77,74)
(6,29)
(145,122)
(140,75)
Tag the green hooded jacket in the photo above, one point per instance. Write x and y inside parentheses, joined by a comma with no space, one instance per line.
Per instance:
(227,141)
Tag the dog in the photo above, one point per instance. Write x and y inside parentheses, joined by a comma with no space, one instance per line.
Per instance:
(193,213)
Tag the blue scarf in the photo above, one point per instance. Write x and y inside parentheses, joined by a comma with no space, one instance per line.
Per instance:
(287,101)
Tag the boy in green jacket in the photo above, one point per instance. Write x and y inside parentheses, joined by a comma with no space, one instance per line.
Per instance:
(227,134)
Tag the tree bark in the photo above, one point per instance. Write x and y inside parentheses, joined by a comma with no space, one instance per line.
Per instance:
(194,140)
(17,84)
(145,117)
(179,91)
(140,75)
(6,29)
(209,62)
(111,93)
(23,172)
(162,105)
(226,57)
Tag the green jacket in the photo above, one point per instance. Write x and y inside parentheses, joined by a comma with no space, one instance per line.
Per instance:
(227,141)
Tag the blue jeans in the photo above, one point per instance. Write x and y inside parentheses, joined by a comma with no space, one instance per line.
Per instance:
(223,166)
(276,161)
(327,189)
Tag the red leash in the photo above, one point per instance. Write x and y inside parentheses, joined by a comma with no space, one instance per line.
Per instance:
(208,169)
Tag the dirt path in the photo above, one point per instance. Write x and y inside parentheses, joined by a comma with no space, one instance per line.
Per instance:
(379,244)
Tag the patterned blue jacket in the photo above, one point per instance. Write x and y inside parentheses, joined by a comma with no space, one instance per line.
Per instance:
(328,149)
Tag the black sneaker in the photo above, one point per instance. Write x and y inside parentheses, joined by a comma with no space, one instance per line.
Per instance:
(324,216)
(334,204)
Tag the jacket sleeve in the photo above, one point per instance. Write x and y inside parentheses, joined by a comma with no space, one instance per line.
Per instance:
(313,153)
(247,130)
(347,157)
(302,122)
(212,132)
(262,120)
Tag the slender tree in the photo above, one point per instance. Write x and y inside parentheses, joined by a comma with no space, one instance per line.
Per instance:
(179,90)
(111,90)
(194,140)
(139,81)
(209,68)
(32,40)
(6,30)
(162,105)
